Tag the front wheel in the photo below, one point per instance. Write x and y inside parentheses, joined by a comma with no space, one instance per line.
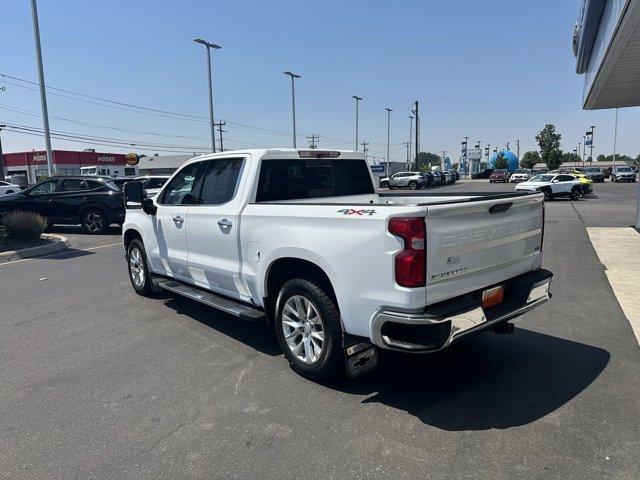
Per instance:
(413,185)
(138,269)
(547,194)
(94,221)
(308,328)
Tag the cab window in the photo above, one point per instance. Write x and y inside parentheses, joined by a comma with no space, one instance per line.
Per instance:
(220,181)
(45,187)
(182,189)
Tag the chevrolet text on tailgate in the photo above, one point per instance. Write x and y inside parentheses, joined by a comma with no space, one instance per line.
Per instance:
(302,240)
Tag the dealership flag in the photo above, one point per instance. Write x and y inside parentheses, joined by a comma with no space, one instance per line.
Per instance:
(588,139)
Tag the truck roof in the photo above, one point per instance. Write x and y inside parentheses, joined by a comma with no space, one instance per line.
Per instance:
(285,153)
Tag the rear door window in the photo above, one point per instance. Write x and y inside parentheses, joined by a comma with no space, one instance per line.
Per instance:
(220,181)
(312,178)
(73,185)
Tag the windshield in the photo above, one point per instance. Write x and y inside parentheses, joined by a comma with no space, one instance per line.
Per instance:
(500,172)
(623,169)
(88,171)
(542,178)
(520,170)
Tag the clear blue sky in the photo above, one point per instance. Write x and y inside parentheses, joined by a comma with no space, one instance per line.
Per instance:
(495,71)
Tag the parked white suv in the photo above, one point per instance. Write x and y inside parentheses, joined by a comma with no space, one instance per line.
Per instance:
(553,185)
(411,180)
(301,239)
(520,175)
(623,174)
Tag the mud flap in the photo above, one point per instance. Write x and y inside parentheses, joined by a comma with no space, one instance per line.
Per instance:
(360,358)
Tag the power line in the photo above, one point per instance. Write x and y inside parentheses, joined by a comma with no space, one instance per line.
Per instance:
(313,139)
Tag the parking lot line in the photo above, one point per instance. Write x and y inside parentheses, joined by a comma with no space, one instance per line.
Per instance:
(59,253)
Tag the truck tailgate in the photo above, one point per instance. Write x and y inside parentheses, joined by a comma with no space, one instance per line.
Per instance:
(481,243)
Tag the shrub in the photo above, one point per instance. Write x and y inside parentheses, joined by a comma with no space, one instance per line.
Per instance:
(24,226)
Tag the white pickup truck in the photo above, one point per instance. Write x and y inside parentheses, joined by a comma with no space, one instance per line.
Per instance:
(302,240)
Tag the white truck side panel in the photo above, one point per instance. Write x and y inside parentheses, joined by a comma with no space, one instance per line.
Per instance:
(355,251)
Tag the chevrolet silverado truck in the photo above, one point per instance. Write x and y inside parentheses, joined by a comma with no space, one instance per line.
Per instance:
(300,239)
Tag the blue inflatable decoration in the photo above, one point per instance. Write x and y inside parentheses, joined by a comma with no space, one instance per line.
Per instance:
(512,160)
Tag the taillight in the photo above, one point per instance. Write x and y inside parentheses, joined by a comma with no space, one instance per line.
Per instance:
(410,265)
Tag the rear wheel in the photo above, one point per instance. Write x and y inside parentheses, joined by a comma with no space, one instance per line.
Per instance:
(308,329)
(413,185)
(94,221)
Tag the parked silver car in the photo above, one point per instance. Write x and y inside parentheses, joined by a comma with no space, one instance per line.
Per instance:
(411,180)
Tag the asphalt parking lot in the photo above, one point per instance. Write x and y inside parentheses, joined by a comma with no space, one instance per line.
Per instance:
(97,382)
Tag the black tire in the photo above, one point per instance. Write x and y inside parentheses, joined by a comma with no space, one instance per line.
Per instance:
(384,185)
(141,283)
(94,221)
(413,185)
(548,195)
(330,362)
(575,194)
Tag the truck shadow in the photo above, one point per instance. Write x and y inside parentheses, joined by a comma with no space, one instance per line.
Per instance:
(486,382)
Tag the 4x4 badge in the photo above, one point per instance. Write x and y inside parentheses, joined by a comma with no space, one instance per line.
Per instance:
(351,211)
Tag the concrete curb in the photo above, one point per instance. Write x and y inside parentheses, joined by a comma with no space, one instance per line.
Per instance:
(38,251)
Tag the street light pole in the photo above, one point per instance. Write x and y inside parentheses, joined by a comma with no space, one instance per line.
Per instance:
(1,157)
(389,110)
(209,46)
(591,144)
(615,136)
(293,103)
(43,94)
(357,99)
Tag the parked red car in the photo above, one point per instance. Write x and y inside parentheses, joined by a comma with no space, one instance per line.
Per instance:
(501,176)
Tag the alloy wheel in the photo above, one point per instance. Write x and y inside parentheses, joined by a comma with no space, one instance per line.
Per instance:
(303,329)
(136,267)
(93,222)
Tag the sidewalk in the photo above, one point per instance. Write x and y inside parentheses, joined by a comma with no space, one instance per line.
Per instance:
(619,251)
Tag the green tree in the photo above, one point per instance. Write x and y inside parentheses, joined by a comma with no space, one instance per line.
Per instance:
(501,161)
(570,157)
(601,158)
(426,160)
(529,159)
(549,143)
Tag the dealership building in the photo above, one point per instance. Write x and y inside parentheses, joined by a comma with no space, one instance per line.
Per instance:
(33,164)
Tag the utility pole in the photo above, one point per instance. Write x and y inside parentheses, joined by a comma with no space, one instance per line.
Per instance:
(1,157)
(209,46)
(410,138)
(293,103)
(365,150)
(444,152)
(518,151)
(43,94)
(584,149)
(415,112)
(313,138)
(389,134)
(357,99)
(220,124)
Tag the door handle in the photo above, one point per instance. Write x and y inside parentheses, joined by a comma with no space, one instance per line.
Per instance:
(178,219)
(224,223)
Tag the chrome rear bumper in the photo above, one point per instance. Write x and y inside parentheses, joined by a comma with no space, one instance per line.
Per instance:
(392,329)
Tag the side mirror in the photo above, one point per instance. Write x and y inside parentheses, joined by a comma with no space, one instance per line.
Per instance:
(555,181)
(149,207)
(133,195)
